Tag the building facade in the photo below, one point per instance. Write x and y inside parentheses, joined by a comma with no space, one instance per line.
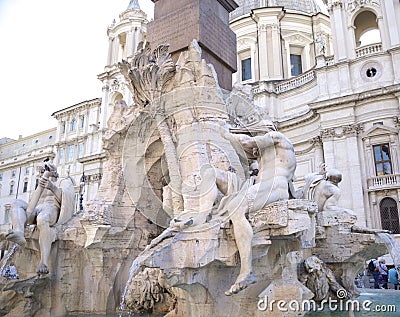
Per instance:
(331,82)
(328,77)
(75,144)
(19,162)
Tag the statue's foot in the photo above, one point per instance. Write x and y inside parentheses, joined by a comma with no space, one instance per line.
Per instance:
(241,283)
(42,269)
(16,237)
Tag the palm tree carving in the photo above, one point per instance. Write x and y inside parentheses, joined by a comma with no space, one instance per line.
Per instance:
(148,76)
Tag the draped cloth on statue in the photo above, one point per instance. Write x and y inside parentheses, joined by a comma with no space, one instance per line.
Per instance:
(67,200)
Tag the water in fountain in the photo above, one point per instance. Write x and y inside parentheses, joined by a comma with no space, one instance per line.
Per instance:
(392,245)
(8,257)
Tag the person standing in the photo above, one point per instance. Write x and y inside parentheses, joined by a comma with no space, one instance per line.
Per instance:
(393,277)
(375,273)
(383,273)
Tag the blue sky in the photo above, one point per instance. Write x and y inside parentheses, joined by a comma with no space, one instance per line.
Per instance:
(50,56)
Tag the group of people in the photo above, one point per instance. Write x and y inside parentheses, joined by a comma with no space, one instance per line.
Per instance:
(382,275)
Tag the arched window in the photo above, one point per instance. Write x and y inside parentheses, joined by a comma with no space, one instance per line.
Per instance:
(389,215)
(366,29)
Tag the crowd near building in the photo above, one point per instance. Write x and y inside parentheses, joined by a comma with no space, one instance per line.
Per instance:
(328,76)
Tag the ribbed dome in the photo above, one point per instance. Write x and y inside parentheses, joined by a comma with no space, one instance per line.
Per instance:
(245,6)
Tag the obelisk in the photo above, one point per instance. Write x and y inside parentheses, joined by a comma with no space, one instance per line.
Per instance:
(178,22)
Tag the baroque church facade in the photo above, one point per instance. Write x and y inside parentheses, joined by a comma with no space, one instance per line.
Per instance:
(329,78)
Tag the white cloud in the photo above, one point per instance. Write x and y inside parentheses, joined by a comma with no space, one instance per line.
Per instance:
(51,54)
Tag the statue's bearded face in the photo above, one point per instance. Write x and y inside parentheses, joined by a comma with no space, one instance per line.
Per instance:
(313,265)
(53,176)
(245,118)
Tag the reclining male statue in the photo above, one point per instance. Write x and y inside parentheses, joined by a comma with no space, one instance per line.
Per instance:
(276,164)
(52,203)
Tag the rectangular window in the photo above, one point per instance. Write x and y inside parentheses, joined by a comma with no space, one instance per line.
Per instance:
(72,126)
(82,122)
(383,163)
(1,176)
(80,150)
(62,127)
(246,69)
(27,171)
(11,188)
(61,155)
(295,64)
(7,210)
(71,152)
(13,173)
(25,189)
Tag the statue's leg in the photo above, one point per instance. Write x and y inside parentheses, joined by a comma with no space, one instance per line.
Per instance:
(18,220)
(243,233)
(208,189)
(46,218)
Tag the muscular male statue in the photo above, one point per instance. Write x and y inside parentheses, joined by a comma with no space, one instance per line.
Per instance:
(51,203)
(322,187)
(276,164)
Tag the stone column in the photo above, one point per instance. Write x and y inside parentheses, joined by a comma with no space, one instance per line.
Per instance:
(110,51)
(389,10)
(341,151)
(115,50)
(262,47)
(104,107)
(351,41)
(355,186)
(319,152)
(394,152)
(287,56)
(307,57)
(253,61)
(276,51)
(338,30)
(384,33)
(129,44)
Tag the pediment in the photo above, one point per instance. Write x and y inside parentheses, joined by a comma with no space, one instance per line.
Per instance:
(379,130)
(297,38)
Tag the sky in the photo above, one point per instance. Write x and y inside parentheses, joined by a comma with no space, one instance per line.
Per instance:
(51,52)
(50,55)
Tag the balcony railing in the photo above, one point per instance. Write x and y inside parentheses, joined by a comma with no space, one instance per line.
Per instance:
(384,181)
(368,49)
(283,86)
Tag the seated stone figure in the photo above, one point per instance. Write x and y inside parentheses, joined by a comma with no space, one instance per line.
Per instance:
(52,203)
(319,279)
(322,187)
(276,165)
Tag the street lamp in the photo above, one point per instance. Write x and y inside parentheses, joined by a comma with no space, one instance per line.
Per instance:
(81,191)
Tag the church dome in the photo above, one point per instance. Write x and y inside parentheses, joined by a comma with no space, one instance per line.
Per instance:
(306,6)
